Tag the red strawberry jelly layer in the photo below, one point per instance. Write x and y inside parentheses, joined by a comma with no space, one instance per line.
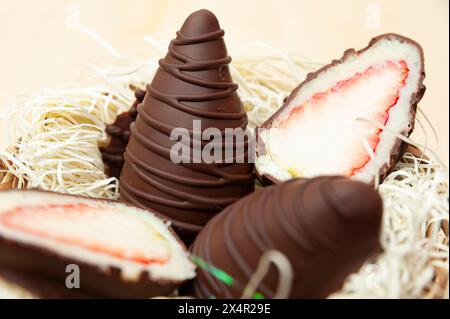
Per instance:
(319,100)
(97,229)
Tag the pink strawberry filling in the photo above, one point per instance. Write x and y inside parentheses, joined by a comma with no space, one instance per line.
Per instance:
(98,229)
(328,118)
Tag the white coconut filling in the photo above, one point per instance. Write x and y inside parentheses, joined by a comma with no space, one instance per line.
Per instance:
(318,146)
(126,237)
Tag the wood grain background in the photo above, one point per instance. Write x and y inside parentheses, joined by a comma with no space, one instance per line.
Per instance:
(39,48)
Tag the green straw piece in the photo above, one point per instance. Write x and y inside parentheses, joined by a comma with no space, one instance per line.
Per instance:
(219,274)
(216,272)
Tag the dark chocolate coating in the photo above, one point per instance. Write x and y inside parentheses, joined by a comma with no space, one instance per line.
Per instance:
(48,266)
(327,227)
(193,82)
(120,135)
(41,287)
(399,147)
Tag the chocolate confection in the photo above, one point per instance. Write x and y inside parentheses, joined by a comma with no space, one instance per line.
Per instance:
(121,251)
(120,135)
(344,119)
(193,82)
(327,227)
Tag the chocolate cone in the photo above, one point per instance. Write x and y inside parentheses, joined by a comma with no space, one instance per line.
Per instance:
(327,227)
(193,82)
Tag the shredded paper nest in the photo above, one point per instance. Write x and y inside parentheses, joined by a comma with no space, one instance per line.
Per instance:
(56,134)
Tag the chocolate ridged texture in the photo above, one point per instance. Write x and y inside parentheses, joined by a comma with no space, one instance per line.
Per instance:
(193,82)
(119,131)
(327,227)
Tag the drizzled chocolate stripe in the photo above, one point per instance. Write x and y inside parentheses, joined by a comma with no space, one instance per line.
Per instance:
(183,39)
(226,88)
(327,227)
(193,82)
(167,129)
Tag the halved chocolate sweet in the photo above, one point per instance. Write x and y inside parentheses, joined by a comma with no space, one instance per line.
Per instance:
(116,249)
(344,119)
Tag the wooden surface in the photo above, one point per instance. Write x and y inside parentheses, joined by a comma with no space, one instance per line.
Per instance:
(41,45)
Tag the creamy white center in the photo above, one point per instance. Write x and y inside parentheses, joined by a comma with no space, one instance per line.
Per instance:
(323,135)
(104,230)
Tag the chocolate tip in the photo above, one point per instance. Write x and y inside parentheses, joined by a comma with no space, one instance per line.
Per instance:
(200,22)
(362,202)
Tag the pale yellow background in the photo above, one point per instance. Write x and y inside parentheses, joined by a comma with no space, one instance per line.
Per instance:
(38,49)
